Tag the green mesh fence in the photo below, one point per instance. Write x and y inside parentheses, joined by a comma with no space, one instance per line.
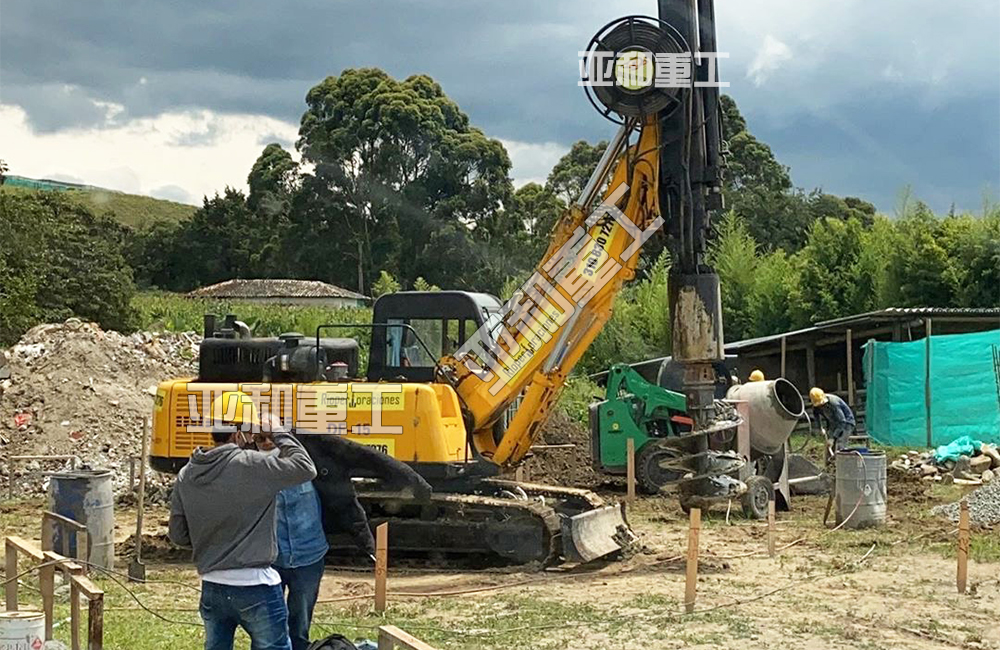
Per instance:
(964,383)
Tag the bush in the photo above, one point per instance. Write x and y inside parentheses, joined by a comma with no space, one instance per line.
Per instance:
(59,260)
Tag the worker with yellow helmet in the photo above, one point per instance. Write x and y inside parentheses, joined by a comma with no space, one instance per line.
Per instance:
(834,416)
(757,375)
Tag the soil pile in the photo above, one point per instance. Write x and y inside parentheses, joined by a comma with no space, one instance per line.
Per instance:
(73,389)
(571,466)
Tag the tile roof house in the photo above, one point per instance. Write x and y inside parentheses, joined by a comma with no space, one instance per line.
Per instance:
(283,292)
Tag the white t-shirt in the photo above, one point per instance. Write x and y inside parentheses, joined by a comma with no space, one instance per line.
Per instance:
(248,577)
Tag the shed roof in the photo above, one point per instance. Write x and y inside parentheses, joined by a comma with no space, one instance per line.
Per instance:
(271,288)
(874,317)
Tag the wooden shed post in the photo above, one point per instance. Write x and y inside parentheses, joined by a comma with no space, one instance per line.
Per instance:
(784,350)
(927,379)
(811,364)
(849,339)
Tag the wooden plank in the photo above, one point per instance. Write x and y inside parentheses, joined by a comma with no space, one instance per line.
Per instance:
(10,568)
(72,524)
(927,380)
(390,636)
(48,533)
(381,565)
(630,469)
(963,547)
(849,340)
(26,547)
(87,587)
(95,624)
(691,579)
(770,528)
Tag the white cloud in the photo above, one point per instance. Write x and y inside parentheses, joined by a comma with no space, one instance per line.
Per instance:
(770,56)
(531,162)
(176,154)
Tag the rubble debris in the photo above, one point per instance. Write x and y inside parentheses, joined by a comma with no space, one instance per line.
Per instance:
(984,505)
(565,465)
(981,467)
(77,390)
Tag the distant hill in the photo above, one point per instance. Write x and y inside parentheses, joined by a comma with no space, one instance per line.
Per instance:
(129,209)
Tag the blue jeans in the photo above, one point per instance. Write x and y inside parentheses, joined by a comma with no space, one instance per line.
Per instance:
(302,586)
(260,610)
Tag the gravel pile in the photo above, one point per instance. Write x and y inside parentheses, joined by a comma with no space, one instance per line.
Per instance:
(984,506)
(74,389)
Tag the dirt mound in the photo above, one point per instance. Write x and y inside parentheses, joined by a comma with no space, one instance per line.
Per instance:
(569,466)
(74,389)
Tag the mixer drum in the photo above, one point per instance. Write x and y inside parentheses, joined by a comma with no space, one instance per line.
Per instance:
(775,407)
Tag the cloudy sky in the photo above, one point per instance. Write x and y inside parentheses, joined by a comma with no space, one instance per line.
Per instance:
(176,99)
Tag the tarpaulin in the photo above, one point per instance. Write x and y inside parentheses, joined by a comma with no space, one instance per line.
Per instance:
(964,389)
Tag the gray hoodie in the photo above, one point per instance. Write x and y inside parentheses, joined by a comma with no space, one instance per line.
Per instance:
(223,507)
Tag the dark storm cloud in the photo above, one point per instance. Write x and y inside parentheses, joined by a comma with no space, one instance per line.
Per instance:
(512,67)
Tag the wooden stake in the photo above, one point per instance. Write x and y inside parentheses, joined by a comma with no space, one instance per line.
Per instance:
(963,546)
(381,565)
(691,581)
(74,615)
(784,347)
(770,528)
(519,474)
(10,568)
(630,468)
(46,584)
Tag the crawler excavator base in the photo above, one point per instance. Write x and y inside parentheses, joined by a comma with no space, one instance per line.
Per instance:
(494,522)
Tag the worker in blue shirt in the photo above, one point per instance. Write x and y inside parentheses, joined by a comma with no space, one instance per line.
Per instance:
(834,417)
(303,514)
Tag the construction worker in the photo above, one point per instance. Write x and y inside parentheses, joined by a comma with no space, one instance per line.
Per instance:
(835,418)
(757,375)
(301,524)
(223,507)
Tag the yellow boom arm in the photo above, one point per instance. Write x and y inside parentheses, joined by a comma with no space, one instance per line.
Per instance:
(546,326)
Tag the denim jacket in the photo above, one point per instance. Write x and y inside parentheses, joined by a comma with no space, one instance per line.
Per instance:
(301,540)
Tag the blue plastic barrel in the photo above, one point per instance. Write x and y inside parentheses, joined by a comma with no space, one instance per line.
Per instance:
(86,496)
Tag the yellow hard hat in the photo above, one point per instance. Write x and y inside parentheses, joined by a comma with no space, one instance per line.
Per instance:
(756,375)
(234,408)
(817,396)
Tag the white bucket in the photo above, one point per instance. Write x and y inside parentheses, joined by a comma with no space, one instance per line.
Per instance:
(23,630)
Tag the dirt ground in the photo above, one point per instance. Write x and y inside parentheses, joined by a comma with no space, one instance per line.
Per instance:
(892,587)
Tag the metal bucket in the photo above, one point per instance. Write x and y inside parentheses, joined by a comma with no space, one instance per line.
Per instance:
(860,484)
(86,496)
(775,407)
(22,630)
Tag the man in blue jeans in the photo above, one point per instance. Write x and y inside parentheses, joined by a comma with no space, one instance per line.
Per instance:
(300,525)
(301,549)
(223,507)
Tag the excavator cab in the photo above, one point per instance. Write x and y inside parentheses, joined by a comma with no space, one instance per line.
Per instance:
(439,323)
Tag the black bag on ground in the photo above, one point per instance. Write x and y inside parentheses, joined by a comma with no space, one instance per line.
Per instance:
(332,642)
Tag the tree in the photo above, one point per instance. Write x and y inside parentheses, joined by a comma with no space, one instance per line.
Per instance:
(385,284)
(830,283)
(60,260)
(402,160)
(734,255)
(272,180)
(569,176)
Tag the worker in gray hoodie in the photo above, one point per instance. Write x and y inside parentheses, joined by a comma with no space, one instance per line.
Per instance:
(223,507)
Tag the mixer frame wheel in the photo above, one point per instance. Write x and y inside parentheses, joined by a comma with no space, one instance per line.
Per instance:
(760,490)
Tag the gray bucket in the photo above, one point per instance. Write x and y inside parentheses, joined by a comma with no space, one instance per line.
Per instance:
(860,482)
(86,496)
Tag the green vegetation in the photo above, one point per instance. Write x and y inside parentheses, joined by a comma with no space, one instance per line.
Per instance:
(59,260)
(131,210)
(398,185)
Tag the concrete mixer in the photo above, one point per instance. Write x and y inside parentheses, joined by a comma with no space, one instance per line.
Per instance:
(704,465)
